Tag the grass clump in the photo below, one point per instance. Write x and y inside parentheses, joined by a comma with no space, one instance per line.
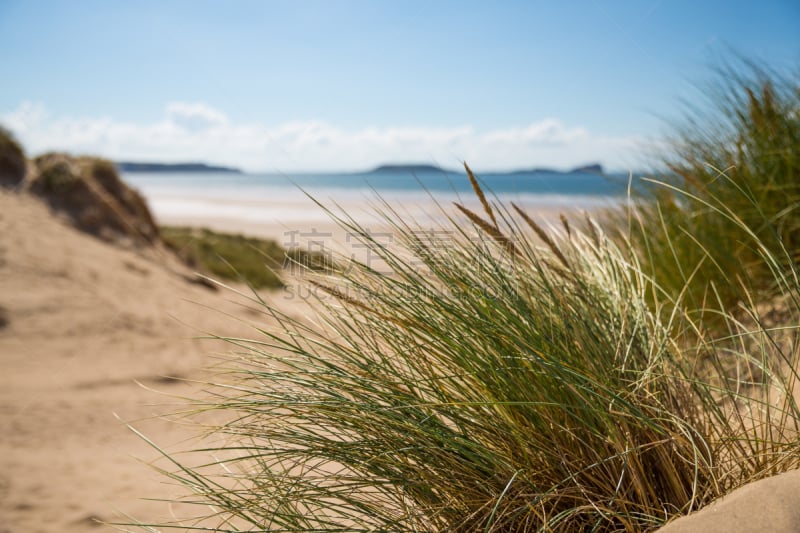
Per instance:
(91,193)
(58,174)
(501,376)
(254,261)
(733,188)
(12,160)
(488,384)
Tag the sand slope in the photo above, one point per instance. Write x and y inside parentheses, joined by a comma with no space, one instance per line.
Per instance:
(771,504)
(86,321)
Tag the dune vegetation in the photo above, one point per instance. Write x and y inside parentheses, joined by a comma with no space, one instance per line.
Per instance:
(12,159)
(595,376)
(732,190)
(90,192)
(257,262)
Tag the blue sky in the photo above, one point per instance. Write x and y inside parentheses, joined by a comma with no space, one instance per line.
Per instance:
(311,85)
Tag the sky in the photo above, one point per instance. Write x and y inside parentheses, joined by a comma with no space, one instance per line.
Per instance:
(315,85)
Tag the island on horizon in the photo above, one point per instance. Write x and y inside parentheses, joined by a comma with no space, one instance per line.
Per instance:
(388,168)
(409,167)
(128,166)
(593,168)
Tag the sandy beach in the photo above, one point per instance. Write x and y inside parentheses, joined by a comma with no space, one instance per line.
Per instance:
(399,267)
(96,336)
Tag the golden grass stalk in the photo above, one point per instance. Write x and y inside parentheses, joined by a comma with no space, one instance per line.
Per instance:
(479,193)
(491,230)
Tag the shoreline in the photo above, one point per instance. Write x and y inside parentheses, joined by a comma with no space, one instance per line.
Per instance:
(312,230)
(279,221)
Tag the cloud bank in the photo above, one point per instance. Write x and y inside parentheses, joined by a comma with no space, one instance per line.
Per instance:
(194,131)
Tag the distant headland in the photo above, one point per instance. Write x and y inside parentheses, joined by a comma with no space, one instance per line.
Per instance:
(594,168)
(404,168)
(127,166)
(389,168)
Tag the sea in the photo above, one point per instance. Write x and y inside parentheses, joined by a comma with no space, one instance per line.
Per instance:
(270,197)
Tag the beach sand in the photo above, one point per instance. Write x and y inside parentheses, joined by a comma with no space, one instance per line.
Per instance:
(771,504)
(94,336)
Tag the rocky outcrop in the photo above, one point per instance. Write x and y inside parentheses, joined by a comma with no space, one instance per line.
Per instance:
(91,194)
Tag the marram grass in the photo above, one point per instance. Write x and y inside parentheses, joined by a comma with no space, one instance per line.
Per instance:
(732,189)
(495,375)
(506,378)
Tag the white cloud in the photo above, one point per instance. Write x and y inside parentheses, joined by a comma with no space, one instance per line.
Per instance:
(195,116)
(27,114)
(194,131)
(547,132)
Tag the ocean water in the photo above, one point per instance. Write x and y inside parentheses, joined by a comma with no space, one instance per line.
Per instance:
(270,197)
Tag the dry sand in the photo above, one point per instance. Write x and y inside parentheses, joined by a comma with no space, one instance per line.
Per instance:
(93,330)
(91,327)
(769,505)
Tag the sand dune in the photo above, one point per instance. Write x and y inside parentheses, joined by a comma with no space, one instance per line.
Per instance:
(90,328)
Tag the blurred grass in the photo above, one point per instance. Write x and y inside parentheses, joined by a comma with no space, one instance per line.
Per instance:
(256,262)
(12,159)
(731,191)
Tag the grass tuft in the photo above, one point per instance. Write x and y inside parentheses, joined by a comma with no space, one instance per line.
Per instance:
(12,160)
(518,379)
(476,393)
(732,192)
